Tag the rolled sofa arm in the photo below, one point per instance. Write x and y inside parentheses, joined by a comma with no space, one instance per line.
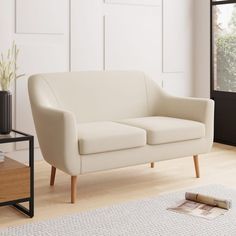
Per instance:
(57,134)
(196,109)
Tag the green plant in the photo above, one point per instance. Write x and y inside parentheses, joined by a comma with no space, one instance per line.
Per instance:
(225,51)
(226,62)
(8,67)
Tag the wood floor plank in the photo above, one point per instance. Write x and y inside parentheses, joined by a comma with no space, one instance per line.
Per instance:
(122,185)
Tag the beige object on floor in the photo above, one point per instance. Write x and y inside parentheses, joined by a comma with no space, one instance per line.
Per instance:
(209,200)
(94,121)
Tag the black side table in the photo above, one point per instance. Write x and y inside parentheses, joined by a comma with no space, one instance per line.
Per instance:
(17,179)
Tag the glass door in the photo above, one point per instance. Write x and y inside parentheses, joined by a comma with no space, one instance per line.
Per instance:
(223,69)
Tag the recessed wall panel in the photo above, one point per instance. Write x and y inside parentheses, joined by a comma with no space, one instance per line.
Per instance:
(135,2)
(41,16)
(177,20)
(86,35)
(134,43)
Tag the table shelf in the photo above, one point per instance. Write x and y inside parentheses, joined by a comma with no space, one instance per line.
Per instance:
(14,180)
(17,179)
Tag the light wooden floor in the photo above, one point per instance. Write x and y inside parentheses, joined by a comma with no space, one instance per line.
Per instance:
(111,187)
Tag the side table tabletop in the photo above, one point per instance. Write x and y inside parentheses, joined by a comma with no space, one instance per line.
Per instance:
(17,179)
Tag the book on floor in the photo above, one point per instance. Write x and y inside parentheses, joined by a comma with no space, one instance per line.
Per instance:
(203,206)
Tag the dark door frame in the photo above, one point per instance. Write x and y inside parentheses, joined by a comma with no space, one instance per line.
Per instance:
(212,4)
(218,95)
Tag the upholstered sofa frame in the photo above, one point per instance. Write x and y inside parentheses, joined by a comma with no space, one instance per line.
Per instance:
(80,118)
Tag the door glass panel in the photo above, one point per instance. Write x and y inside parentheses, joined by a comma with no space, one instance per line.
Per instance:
(224,47)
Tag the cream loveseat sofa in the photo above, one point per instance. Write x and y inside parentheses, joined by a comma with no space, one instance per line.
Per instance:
(94,121)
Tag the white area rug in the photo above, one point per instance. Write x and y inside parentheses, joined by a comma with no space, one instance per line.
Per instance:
(137,218)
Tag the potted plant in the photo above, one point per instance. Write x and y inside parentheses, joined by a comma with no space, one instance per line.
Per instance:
(8,73)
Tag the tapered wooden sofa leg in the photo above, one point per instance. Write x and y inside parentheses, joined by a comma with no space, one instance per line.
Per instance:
(196,165)
(152,164)
(53,175)
(73,189)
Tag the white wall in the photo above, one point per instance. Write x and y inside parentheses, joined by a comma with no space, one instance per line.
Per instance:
(155,36)
(201,63)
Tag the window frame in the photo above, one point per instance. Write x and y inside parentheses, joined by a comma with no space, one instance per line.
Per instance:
(213,92)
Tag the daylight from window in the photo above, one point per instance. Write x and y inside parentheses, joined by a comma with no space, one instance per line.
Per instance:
(224,52)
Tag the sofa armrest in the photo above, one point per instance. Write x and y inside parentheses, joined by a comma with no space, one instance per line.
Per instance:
(196,109)
(57,134)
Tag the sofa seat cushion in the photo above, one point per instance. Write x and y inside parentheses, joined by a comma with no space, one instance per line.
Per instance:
(162,130)
(96,137)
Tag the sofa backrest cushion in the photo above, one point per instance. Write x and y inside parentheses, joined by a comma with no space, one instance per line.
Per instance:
(93,96)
